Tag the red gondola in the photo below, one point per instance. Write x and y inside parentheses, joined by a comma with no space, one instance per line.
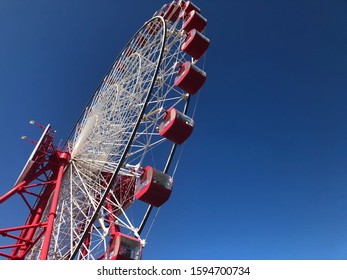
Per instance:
(141,40)
(194,21)
(153,27)
(129,51)
(195,44)
(154,187)
(176,126)
(109,80)
(190,78)
(189,6)
(172,12)
(121,66)
(124,247)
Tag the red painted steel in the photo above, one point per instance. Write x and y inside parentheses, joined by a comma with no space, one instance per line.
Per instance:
(35,188)
(63,161)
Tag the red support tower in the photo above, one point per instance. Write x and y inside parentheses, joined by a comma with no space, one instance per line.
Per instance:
(40,178)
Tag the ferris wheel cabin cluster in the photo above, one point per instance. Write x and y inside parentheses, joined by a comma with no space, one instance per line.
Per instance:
(92,198)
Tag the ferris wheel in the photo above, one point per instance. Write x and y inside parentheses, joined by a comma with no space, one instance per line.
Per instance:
(97,196)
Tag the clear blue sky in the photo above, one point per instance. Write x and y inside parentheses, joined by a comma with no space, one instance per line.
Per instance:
(264,174)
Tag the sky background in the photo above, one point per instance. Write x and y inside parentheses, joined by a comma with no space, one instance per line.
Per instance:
(263,175)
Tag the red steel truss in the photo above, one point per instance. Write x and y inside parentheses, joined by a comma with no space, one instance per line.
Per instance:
(40,179)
